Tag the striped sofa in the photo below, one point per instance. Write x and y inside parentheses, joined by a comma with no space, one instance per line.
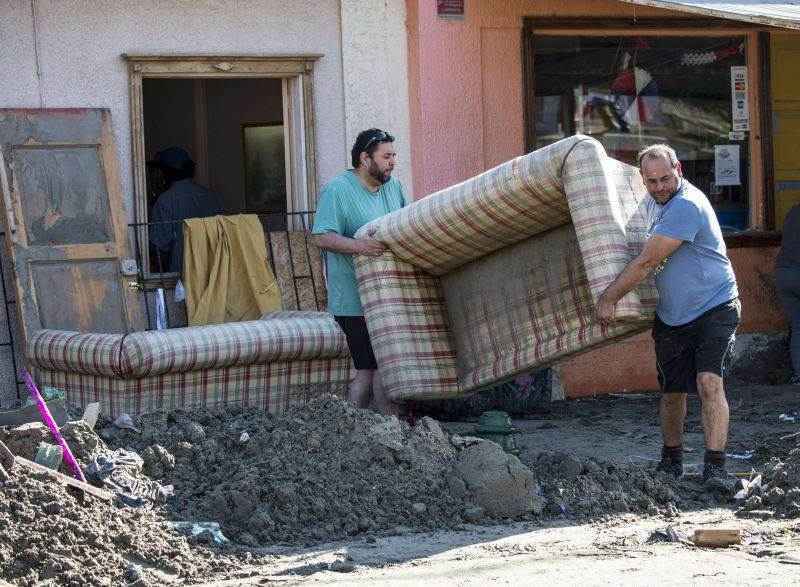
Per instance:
(499,275)
(279,361)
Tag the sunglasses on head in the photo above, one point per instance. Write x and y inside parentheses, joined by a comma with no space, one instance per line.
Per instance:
(377,138)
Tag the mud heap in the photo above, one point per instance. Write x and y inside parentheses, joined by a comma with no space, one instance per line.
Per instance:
(47,534)
(777,492)
(320,472)
(587,488)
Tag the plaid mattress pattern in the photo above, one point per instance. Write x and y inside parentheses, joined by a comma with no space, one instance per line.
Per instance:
(408,327)
(271,363)
(525,307)
(511,302)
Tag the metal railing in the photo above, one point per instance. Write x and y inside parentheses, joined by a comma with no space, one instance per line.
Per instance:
(150,280)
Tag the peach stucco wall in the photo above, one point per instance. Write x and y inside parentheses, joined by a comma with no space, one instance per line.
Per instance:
(466,103)
(465,82)
(630,365)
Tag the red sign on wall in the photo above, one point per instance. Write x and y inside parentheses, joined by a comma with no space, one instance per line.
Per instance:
(450,8)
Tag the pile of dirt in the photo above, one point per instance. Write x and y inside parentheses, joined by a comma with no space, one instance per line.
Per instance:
(587,488)
(777,492)
(46,533)
(319,472)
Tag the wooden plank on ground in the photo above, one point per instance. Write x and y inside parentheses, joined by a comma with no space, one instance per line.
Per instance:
(65,479)
(717,537)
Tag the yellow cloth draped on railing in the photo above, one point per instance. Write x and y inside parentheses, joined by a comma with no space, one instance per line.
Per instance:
(226,273)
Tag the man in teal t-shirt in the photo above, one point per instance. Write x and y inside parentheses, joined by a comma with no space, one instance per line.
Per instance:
(349,201)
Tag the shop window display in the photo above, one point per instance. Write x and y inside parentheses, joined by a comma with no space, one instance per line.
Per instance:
(630,92)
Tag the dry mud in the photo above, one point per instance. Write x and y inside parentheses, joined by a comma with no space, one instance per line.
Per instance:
(319,473)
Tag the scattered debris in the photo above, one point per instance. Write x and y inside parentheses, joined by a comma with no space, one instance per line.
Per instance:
(49,455)
(125,422)
(90,414)
(201,532)
(49,537)
(64,479)
(668,534)
(777,490)
(51,424)
(120,472)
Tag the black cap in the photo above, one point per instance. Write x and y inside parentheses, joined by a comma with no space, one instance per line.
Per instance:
(172,158)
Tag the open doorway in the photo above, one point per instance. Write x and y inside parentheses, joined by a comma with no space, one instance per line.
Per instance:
(234,132)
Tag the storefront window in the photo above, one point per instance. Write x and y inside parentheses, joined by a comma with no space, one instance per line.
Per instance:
(630,92)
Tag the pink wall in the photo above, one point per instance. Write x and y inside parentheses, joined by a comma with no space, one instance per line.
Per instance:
(465,82)
(630,365)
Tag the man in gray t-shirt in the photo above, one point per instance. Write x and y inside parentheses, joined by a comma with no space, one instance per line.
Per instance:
(697,313)
(787,280)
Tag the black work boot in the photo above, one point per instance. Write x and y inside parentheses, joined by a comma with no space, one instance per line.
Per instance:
(671,461)
(715,476)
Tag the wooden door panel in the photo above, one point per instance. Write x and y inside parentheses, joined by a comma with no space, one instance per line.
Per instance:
(90,297)
(61,195)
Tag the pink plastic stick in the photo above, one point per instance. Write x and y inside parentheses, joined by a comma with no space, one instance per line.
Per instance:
(47,418)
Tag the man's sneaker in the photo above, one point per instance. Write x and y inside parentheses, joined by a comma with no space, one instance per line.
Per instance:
(670,467)
(717,478)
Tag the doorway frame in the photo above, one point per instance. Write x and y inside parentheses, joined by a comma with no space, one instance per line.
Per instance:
(296,72)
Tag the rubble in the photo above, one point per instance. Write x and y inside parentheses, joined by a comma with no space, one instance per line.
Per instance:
(321,472)
(46,534)
(776,491)
(587,488)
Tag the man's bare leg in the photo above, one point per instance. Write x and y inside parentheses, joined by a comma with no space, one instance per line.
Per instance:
(716,413)
(673,414)
(383,404)
(359,391)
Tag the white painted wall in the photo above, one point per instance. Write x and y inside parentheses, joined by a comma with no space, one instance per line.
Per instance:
(79,44)
(375,62)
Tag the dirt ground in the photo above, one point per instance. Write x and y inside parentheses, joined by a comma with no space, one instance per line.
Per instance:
(393,511)
(611,549)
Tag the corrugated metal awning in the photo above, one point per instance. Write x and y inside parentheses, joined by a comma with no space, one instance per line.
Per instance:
(772,13)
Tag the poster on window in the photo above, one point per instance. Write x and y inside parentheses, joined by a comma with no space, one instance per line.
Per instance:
(739,107)
(726,165)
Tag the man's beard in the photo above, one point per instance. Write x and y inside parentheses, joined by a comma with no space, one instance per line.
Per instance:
(376,173)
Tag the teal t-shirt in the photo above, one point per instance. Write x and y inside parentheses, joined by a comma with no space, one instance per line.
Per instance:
(345,205)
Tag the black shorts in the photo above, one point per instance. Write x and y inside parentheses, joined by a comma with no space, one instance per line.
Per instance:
(704,345)
(355,329)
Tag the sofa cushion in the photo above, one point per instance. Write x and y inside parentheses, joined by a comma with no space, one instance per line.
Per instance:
(279,336)
(89,353)
(283,336)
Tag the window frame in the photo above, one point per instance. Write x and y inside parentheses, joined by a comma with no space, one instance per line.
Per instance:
(295,70)
(756,46)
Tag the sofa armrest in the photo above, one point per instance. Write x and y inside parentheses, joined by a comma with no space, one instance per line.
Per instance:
(407,322)
(88,353)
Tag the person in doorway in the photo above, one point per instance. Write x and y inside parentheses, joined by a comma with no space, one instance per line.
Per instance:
(182,199)
(787,281)
(697,313)
(349,201)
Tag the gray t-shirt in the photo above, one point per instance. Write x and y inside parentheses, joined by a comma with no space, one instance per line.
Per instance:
(698,275)
(789,255)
